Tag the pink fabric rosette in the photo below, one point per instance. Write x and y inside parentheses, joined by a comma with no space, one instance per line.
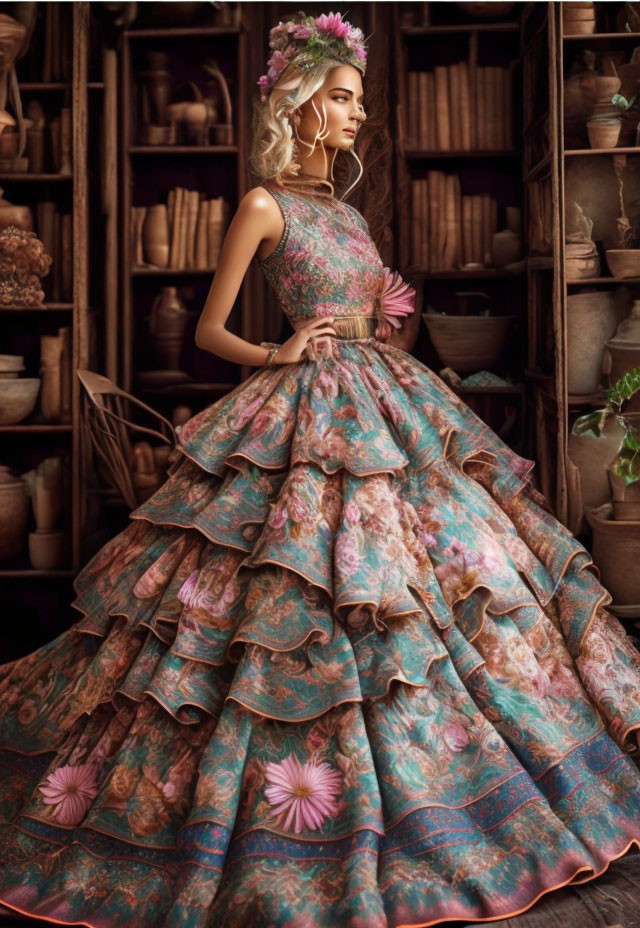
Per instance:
(397,300)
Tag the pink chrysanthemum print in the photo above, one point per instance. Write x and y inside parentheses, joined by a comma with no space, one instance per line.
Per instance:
(71,790)
(302,794)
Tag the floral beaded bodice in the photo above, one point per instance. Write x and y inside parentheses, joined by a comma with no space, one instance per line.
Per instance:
(326,263)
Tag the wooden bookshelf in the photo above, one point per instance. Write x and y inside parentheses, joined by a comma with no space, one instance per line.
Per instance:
(25,444)
(148,174)
(437,47)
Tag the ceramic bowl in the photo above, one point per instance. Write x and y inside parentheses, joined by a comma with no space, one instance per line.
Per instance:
(17,398)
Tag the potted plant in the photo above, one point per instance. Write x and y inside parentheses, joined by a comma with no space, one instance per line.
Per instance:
(616,524)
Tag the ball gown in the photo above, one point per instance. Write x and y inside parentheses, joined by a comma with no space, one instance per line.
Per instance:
(344,669)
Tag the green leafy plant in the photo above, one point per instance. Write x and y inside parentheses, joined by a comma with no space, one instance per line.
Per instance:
(626,464)
(622,102)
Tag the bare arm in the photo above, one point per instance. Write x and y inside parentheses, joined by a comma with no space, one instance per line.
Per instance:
(257,222)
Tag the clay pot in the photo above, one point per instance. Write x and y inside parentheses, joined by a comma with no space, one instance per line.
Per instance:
(46,549)
(604,133)
(167,324)
(616,553)
(581,260)
(155,235)
(625,499)
(11,363)
(468,343)
(17,399)
(592,318)
(579,27)
(14,513)
(196,119)
(623,262)
(506,247)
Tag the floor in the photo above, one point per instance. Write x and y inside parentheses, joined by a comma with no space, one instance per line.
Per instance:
(610,901)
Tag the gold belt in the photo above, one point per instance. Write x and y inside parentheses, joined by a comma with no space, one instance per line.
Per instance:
(354,326)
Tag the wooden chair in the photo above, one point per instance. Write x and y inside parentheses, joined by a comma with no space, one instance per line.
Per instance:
(107,412)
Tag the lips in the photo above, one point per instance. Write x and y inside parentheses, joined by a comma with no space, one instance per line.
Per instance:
(350,131)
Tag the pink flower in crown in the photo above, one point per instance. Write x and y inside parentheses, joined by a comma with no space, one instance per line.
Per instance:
(300,31)
(71,790)
(302,794)
(333,24)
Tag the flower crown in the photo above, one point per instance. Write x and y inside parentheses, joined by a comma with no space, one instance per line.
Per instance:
(309,39)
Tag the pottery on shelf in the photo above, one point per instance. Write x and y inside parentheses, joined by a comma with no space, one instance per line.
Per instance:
(167,323)
(604,132)
(506,247)
(44,486)
(14,513)
(578,18)
(622,352)
(11,365)
(468,343)
(623,262)
(581,260)
(17,399)
(592,317)
(616,553)
(13,215)
(46,549)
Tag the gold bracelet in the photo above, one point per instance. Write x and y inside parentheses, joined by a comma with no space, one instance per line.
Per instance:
(273,349)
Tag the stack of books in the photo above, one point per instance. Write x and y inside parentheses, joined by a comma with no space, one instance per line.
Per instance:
(448,229)
(460,107)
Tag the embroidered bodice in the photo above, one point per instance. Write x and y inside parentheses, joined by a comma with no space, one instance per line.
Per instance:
(326,262)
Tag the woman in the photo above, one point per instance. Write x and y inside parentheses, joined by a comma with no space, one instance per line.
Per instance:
(344,668)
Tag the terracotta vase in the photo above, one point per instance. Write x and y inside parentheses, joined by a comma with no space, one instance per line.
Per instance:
(14,513)
(167,324)
(506,247)
(155,235)
(46,549)
(581,260)
(616,553)
(592,318)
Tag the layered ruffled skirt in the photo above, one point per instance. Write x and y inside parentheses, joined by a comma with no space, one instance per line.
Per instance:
(344,668)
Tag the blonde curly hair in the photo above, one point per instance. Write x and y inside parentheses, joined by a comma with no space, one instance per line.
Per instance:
(274,143)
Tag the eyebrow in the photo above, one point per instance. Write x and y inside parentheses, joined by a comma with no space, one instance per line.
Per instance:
(346,90)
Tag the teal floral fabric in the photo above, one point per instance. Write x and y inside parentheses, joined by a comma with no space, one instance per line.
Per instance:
(343,668)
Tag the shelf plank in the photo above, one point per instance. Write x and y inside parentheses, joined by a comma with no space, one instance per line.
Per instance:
(415,154)
(460,28)
(38,428)
(44,85)
(45,307)
(61,574)
(623,150)
(188,389)
(586,281)
(175,32)
(596,36)
(164,271)
(479,274)
(26,176)
(183,149)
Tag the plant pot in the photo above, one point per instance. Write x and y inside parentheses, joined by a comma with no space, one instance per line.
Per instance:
(591,455)
(468,343)
(604,133)
(625,498)
(623,262)
(581,261)
(616,552)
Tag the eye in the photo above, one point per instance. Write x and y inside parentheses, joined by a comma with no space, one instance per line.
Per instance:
(341,96)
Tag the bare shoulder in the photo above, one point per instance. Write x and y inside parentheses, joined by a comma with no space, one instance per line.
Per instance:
(258,203)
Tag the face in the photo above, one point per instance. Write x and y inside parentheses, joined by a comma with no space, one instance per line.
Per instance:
(342,97)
